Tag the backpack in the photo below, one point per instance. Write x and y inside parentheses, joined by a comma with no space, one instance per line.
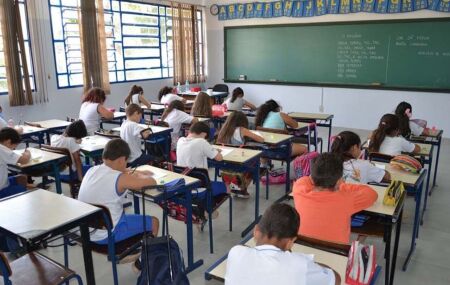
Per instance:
(236,182)
(276,176)
(302,164)
(361,265)
(165,263)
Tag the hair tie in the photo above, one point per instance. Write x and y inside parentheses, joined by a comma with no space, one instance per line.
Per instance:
(383,123)
(338,137)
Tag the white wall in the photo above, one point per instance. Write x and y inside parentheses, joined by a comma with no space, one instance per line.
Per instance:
(355,108)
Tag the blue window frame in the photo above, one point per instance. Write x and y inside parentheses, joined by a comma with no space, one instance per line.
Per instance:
(138,40)
(26,36)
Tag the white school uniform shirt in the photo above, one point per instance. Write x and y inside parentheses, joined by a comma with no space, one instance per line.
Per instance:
(169,98)
(267,264)
(236,105)
(175,119)
(415,128)
(194,152)
(7,156)
(362,171)
(65,142)
(90,116)
(131,133)
(99,186)
(396,145)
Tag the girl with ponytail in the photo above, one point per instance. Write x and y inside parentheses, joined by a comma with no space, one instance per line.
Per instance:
(136,96)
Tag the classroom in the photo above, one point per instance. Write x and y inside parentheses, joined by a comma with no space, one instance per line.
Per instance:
(224,142)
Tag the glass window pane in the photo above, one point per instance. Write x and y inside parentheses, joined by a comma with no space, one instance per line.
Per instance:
(63,81)
(139,19)
(143,74)
(76,79)
(140,31)
(141,52)
(139,8)
(142,63)
(3,85)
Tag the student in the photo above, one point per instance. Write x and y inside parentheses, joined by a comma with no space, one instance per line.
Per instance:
(136,96)
(271,260)
(326,203)
(406,125)
(175,116)
(236,101)
(166,96)
(348,146)
(133,133)
(194,150)
(92,109)
(4,124)
(106,184)
(202,106)
(9,140)
(71,139)
(385,139)
(269,115)
(235,130)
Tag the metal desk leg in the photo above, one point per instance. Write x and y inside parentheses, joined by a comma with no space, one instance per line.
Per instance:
(256,179)
(190,242)
(397,238)
(288,168)
(387,253)
(57,178)
(436,164)
(329,133)
(430,163)
(87,254)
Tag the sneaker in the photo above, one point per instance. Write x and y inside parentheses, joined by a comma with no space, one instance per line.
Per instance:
(136,266)
(243,195)
(132,257)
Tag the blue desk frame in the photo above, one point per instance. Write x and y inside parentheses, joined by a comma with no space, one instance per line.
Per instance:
(327,123)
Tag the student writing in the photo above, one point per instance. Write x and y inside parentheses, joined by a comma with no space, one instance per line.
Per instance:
(165,96)
(202,106)
(92,109)
(406,125)
(236,102)
(136,96)
(175,116)
(235,130)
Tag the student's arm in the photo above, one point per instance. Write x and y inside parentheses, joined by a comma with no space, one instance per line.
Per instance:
(288,120)
(250,105)
(211,152)
(194,120)
(134,181)
(105,113)
(77,160)
(363,196)
(318,273)
(144,101)
(25,157)
(145,134)
(386,177)
(416,148)
(247,133)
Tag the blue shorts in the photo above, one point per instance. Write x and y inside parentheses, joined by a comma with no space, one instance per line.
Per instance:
(128,226)
(12,189)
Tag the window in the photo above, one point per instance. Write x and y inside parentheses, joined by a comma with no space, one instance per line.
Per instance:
(138,40)
(26,36)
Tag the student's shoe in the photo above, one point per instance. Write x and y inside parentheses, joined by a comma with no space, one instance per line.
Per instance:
(132,257)
(243,195)
(136,266)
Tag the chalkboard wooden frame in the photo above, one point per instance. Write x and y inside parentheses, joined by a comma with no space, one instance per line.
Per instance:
(337,85)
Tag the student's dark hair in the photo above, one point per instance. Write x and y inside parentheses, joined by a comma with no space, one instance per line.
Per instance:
(200,127)
(326,170)
(202,106)
(164,91)
(343,142)
(264,110)
(76,129)
(9,134)
(94,95)
(237,92)
(133,108)
(280,221)
(135,89)
(176,104)
(235,119)
(388,126)
(115,149)
(403,125)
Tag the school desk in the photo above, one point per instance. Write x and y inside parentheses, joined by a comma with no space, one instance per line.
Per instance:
(240,160)
(52,126)
(117,119)
(41,159)
(163,176)
(92,146)
(335,261)
(156,109)
(36,216)
(31,132)
(216,96)
(321,120)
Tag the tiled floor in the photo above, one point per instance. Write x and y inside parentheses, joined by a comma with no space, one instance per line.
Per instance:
(430,263)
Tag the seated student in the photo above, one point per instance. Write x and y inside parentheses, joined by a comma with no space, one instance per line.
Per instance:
(92,109)
(4,124)
(136,96)
(348,146)
(71,139)
(406,125)
(9,140)
(385,139)
(271,260)
(237,101)
(202,106)
(235,130)
(269,115)
(106,184)
(133,133)
(166,96)
(326,203)
(175,116)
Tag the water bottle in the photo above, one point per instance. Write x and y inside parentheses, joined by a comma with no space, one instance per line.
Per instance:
(187,85)
(178,88)
(11,123)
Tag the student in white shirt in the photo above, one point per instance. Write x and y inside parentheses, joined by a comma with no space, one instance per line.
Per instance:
(166,96)
(348,146)
(406,125)
(136,96)
(175,116)
(237,101)
(202,106)
(271,261)
(106,184)
(92,109)
(133,133)
(9,140)
(235,130)
(4,123)
(385,139)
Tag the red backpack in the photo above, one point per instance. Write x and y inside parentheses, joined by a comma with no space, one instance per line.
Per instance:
(302,164)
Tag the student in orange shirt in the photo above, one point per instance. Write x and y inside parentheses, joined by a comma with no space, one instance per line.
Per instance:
(325,203)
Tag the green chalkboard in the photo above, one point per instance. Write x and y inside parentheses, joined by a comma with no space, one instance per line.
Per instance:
(410,55)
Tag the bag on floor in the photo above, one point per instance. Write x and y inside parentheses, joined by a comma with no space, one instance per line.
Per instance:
(361,264)
(302,164)
(276,176)
(236,182)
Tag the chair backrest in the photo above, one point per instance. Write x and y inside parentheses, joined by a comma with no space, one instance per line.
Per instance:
(220,88)
(199,173)
(5,269)
(108,133)
(381,157)
(337,248)
(59,150)
(104,223)
(276,131)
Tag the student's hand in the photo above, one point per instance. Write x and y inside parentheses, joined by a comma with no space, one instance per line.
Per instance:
(19,130)
(26,154)
(146,173)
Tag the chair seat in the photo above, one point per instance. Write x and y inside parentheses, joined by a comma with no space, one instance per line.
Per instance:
(36,269)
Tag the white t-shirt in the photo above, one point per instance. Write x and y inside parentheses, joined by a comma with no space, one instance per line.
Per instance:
(194,152)
(99,186)
(90,116)
(396,145)
(236,105)
(267,264)
(7,156)
(169,98)
(131,133)
(415,128)
(362,171)
(176,118)
(65,142)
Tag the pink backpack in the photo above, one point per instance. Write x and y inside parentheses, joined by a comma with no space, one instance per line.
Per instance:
(302,164)
(276,176)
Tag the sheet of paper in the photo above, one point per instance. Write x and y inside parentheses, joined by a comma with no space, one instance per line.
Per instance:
(381,166)
(159,175)
(224,151)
